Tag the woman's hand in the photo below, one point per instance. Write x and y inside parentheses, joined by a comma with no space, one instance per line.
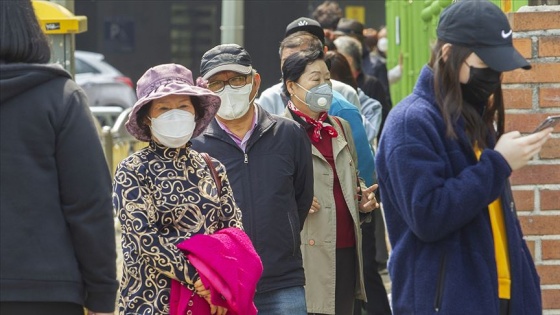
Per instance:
(204,293)
(200,289)
(517,150)
(315,206)
(368,202)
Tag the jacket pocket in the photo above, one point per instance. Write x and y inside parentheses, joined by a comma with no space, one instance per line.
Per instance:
(440,283)
(294,231)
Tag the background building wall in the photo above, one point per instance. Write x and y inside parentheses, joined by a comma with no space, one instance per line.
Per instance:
(135,35)
(531,96)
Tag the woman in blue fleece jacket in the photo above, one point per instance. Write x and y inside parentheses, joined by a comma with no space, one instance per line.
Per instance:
(443,165)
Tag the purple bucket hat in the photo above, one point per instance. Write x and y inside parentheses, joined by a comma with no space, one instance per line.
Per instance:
(170,79)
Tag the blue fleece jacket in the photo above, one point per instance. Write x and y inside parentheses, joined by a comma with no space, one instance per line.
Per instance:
(366,164)
(436,195)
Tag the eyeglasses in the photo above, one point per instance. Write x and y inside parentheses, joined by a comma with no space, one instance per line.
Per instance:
(235,83)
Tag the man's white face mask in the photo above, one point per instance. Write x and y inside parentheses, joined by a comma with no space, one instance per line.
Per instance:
(235,102)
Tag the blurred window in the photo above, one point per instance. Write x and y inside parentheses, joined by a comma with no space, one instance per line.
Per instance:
(82,67)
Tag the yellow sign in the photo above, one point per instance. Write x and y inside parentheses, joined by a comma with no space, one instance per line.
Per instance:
(56,19)
(356,12)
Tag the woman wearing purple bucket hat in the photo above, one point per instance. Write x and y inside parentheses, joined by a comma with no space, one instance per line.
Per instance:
(166,192)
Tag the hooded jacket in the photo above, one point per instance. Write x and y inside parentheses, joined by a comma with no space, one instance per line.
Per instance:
(436,195)
(57,238)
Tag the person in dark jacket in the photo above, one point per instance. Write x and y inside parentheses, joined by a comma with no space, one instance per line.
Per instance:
(268,159)
(57,237)
(443,165)
(374,68)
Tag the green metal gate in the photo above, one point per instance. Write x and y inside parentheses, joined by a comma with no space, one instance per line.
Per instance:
(411,26)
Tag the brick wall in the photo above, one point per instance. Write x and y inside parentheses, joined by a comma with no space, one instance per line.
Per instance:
(530,96)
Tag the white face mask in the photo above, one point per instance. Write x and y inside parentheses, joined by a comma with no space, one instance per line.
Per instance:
(235,102)
(383,44)
(173,128)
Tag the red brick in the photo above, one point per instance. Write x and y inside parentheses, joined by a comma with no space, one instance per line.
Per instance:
(539,73)
(550,199)
(550,274)
(518,98)
(549,46)
(540,225)
(524,46)
(523,123)
(535,21)
(549,97)
(550,249)
(536,174)
(524,200)
(551,299)
(551,149)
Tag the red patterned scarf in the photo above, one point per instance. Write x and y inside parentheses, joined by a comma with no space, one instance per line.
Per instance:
(318,124)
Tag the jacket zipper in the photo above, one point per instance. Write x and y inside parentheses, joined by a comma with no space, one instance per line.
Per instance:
(439,289)
(246,160)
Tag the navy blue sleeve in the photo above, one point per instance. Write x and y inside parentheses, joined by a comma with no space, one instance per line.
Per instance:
(303,179)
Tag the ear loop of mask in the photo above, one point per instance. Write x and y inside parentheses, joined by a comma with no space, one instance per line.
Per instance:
(306,90)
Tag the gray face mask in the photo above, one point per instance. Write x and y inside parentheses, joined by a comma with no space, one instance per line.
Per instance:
(318,98)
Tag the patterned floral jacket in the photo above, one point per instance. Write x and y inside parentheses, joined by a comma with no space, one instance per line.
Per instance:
(162,197)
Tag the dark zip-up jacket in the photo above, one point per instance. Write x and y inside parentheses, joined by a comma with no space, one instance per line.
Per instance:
(57,237)
(435,195)
(272,184)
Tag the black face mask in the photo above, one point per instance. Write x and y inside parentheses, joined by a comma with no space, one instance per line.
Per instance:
(482,83)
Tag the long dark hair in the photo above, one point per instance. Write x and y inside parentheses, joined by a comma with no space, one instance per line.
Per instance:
(22,38)
(340,68)
(450,98)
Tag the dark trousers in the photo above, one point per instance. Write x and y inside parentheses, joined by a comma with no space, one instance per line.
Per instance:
(378,303)
(40,308)
(504,307)
(381,251)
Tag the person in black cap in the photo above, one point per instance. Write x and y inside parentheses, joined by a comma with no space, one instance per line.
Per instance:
(295,38)
(268,160)
(443,163)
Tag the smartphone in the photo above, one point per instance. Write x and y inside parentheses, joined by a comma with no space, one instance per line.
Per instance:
(550,121)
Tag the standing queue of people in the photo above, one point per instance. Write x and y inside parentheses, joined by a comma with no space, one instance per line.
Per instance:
(232,209)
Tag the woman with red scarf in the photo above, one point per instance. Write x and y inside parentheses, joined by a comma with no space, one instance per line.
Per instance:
(330,237)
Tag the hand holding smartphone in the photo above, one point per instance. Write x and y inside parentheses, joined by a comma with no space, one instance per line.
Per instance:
(550,121)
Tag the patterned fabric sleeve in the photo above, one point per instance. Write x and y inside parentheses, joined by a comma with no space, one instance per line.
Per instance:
(230,214)
(143,245)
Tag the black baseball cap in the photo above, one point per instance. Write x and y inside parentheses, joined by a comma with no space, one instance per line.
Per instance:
(225,57)
(306,25)
(483,27)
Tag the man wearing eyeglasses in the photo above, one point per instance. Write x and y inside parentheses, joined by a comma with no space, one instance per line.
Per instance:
(269,167)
